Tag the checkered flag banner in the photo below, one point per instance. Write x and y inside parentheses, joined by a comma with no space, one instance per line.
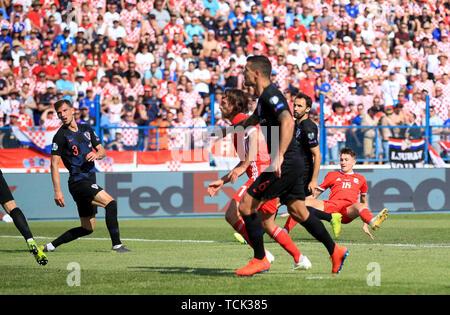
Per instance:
(37,137)
(173,166)
(105,165)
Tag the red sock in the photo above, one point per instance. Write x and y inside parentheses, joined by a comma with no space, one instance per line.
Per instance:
(290,223)
(283,238)
(366,215)
(239,226)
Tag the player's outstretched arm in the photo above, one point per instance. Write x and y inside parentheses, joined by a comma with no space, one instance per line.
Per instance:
(56,179)
(316,168)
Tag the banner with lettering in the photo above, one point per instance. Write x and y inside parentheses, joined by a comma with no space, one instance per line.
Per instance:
(405,153)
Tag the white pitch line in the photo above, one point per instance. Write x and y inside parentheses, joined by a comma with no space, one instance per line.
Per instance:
(212,242)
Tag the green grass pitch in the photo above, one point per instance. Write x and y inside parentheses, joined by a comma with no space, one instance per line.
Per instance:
(198,256)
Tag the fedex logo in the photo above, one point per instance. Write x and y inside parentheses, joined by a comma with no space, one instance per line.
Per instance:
(145,200)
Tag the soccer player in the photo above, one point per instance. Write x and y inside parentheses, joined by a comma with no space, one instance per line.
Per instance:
(286,180)
(8,203)
(75,143)
(345,186)
(254,160)
(306,134)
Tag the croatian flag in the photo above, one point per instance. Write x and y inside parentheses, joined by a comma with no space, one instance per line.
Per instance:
(36,137)
(435,157)
(445,145)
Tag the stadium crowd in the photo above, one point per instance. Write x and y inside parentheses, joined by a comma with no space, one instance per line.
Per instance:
(166,64)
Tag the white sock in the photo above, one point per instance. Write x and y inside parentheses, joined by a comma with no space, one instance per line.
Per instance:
(30,240)
(117,246)
(50,247)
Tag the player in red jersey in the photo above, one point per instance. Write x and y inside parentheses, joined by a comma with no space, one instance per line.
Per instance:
(254,159)
(346,187)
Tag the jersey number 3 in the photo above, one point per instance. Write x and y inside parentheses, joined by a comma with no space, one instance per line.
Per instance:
(75,150)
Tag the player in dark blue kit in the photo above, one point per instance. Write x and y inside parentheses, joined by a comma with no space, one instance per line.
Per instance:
(284,179)
(8,203)
(306,134)
(75,144)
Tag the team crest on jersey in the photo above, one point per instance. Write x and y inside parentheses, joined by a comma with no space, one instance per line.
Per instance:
(54,147)
(94,186)
(356,180)
(274,99)
(96,137)
(87,135)
(311,135)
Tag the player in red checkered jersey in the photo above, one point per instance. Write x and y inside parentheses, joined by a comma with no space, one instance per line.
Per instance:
(346,186)
(254,160)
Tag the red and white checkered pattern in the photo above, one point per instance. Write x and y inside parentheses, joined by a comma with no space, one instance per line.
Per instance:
(55,122)
(170,30)
(24,120)
(282,77)
(134,91)
(445,88)
(178,136)
(145,6)
(426,85)
(175,47)
(170,100)
(338,120)
(129,136)
(105,165)
(224,62)
(190,101)
(415,107)
(198,6)
(133,35)
(340,90)
(109,57)
(127,16)
(441,105)
(173,166)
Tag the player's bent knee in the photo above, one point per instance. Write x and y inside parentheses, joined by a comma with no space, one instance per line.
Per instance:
(9,206)
(298,211)
(232,213)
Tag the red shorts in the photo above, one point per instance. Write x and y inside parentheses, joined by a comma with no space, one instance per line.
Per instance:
(270,207)
(338,206)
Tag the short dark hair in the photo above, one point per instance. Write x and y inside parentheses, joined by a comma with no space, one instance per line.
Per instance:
(61,102)
(306,98)
(348,151)
(261,63)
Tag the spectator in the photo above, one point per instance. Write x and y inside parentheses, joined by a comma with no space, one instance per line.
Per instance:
(116,144)
(85,117)
(336,136)
(65,86)
(413,132)
(161,15)
(436,124)
(369,134)
(7,139)
(130,136)
(158,134)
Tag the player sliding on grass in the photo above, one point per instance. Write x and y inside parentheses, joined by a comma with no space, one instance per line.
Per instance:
(74,144)
(345,186)
(10,206)
(254,159)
